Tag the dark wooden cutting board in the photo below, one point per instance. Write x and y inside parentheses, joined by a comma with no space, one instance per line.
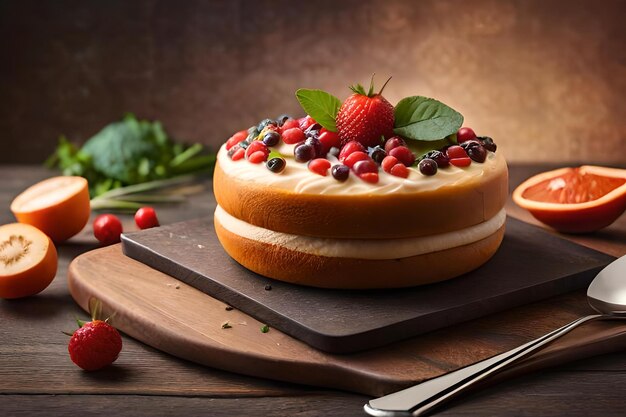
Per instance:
(530,265)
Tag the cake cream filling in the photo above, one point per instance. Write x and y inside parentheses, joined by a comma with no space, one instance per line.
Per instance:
(362,248)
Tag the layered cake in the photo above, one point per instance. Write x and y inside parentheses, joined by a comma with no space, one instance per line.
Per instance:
(361,194)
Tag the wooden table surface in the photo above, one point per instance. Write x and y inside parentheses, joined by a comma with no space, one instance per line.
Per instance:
(38,378)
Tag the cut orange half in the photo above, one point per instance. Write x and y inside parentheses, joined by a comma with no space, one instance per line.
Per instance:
(575,200)
(58,206)
(28,260)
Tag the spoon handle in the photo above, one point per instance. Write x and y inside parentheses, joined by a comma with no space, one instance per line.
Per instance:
(421,398)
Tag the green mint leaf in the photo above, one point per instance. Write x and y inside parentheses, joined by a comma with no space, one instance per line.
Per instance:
(321,106)
(423,118)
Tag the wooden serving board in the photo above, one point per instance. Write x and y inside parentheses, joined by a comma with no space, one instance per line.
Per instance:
(531,265)
(176,318)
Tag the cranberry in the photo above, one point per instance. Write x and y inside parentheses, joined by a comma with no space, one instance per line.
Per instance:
(239,154)
(340,172)
(319,166)
(348,148)
(271,138)
(377,154)
(465,134)
(276,165)
(461,162)
(456,152)
(439,157)
(329,140)
(388,163)
(293,135)
(315,144)
(394,142)
(488,143)
(256,146)
(477,153)
(403,154)
(427,166)
(146,217)
(289,124)
(257,157)
(303,152)
(355,157)
(306,122)
(236,138)
(399,170)
(371,177)
(364,166)
(107,228)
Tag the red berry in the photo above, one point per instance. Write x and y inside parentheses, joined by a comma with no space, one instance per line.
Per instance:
(236,138)
(257,157)
(461,162)
(306,122)
(95,345)
(349,148)
(371,177)
(365,166)
(256,146)
(107,228)
(146,217)
(239,154)
(394,142)
(388,163)
(289,124)
(399,170)
(456,152)
(319,166)
(355,157)
(328,140)
(403,154)
(293,135)
(465,134)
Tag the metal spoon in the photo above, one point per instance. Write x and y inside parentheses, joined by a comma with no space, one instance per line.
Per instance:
(606,294)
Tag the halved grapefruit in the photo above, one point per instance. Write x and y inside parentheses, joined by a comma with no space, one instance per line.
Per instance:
(575,200)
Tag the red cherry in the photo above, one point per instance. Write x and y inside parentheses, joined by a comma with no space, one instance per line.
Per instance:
(350,147)
(319,166)
(464,134)
(107,228)
(306,122)
(256,146)
(257,157)
(371,177)
(399,170)
(461,162)
(289,124)
(146,217)
(355,157)
(456,152)
(328,140)
(364,166)
(239,154)
(403,154)
(293,135)
(388,163)
(394,142)
(236,138)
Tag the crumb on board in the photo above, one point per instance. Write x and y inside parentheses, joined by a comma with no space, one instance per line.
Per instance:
(177,286)
(226,325)
(200,246)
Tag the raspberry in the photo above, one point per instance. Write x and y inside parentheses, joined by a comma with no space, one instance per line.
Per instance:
(399,170)
(293,135)
(460,162)
(403,154)
(355,157)
(236,138)
(257,157)
(349,148)
(456,152)
(319,166)
(95,345)
(371,177)
(465,134)
(388,163)
(239,154)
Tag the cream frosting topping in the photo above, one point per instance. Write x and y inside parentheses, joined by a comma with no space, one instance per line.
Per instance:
(362,248)
(297,178)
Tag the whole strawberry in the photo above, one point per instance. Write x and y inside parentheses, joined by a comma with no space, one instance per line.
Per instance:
(94,345)
(365,117)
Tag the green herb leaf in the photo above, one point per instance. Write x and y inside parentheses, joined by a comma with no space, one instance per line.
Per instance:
(423,118)
(321,106)
(265,328)
(226,325)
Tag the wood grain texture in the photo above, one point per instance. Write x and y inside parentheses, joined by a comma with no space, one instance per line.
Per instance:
(176,318)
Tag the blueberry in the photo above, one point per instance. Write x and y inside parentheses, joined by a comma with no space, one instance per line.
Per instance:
(264,123)
(316,145)
(377,154)
(271,138)
(276,165)
(428,166)
(280,120)
(244,143)
(488,143)
(467,145)
(477,153)
(253,132)
(439,157)
(340,172)
(304,152)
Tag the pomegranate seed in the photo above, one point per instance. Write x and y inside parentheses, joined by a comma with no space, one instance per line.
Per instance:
(328,140)
(293,135)
(256,146)
(399,170)
(350,147)
(239,154)
(364,166)
(371,177)
(403,154)
(461,162)
(289,124)
(355,157)
(388,163)
(236,138)
(319,166)
(257,157)
(456,152)
(394,142)
(465,134)
(306,122)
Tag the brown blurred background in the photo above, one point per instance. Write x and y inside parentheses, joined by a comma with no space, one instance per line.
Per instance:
(545,79)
